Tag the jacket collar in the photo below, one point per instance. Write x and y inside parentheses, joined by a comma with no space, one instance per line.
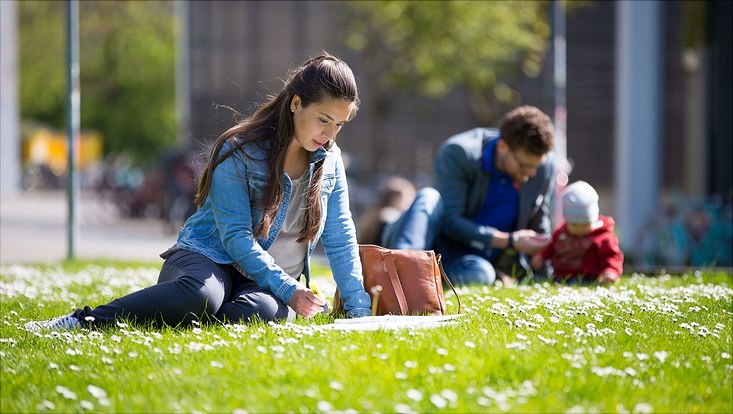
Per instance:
(317,155)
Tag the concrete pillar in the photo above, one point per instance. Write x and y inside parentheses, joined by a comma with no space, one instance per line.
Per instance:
(638,116)
(9,107)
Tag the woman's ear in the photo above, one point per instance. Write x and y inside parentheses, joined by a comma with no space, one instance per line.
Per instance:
(295,104)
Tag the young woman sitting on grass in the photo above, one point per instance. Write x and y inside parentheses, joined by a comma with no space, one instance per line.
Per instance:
(273,187)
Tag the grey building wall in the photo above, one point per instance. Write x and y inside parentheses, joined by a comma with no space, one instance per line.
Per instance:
(239,51)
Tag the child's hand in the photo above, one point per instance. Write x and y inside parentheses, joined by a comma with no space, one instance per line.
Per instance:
(607,278)
(536,262)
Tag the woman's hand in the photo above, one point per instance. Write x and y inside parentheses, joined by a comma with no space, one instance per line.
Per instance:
(305,303)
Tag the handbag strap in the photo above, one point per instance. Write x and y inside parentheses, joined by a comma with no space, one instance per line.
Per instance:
(447,281)
(388,258)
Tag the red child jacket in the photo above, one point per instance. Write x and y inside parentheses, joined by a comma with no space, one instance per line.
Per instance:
(587,256)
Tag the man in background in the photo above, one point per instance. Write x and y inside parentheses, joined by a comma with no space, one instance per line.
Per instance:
(490,208)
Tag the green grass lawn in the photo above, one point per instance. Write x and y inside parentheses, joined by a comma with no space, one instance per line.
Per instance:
(647,344)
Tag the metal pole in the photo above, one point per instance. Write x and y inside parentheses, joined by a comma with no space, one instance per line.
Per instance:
(560,101)
(72,143)
(183,73)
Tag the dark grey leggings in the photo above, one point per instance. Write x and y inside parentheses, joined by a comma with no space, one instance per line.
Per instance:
(191,287)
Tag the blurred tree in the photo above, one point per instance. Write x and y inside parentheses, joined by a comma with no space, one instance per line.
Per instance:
(432,47)
(42,61)
(127,71)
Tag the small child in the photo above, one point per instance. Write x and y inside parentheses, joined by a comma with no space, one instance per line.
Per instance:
(585,248)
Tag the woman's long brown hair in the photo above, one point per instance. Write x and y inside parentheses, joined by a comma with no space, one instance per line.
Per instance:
(316,79)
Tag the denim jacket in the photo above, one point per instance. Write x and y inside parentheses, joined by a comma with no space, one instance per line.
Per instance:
(224,227)
(462,184)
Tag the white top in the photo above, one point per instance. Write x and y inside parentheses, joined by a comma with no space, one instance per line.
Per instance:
(287,252)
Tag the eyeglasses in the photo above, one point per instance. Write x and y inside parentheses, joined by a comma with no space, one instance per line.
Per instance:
(524,166)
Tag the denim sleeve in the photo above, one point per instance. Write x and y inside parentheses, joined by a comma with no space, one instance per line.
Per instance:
(339,243)
(453,172)
(230,204)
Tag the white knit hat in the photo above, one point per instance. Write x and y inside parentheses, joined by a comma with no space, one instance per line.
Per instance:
(580,203)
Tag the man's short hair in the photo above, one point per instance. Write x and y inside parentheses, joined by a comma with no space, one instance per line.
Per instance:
(529,129)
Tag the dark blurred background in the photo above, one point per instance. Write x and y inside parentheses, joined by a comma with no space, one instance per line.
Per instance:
(641,90)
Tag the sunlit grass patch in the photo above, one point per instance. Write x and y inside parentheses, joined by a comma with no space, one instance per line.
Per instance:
(648,344)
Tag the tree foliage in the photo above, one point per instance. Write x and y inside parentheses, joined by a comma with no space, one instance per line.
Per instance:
(432,47)
(127,71)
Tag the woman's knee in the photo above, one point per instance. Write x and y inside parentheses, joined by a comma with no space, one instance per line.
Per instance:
(202,285)
(204,296)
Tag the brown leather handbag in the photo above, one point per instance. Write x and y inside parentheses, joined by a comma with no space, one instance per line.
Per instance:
(402,282)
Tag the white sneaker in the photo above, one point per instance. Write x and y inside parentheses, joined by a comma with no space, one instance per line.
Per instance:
(61,323)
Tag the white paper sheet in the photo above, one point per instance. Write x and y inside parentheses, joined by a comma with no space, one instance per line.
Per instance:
(392,322)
